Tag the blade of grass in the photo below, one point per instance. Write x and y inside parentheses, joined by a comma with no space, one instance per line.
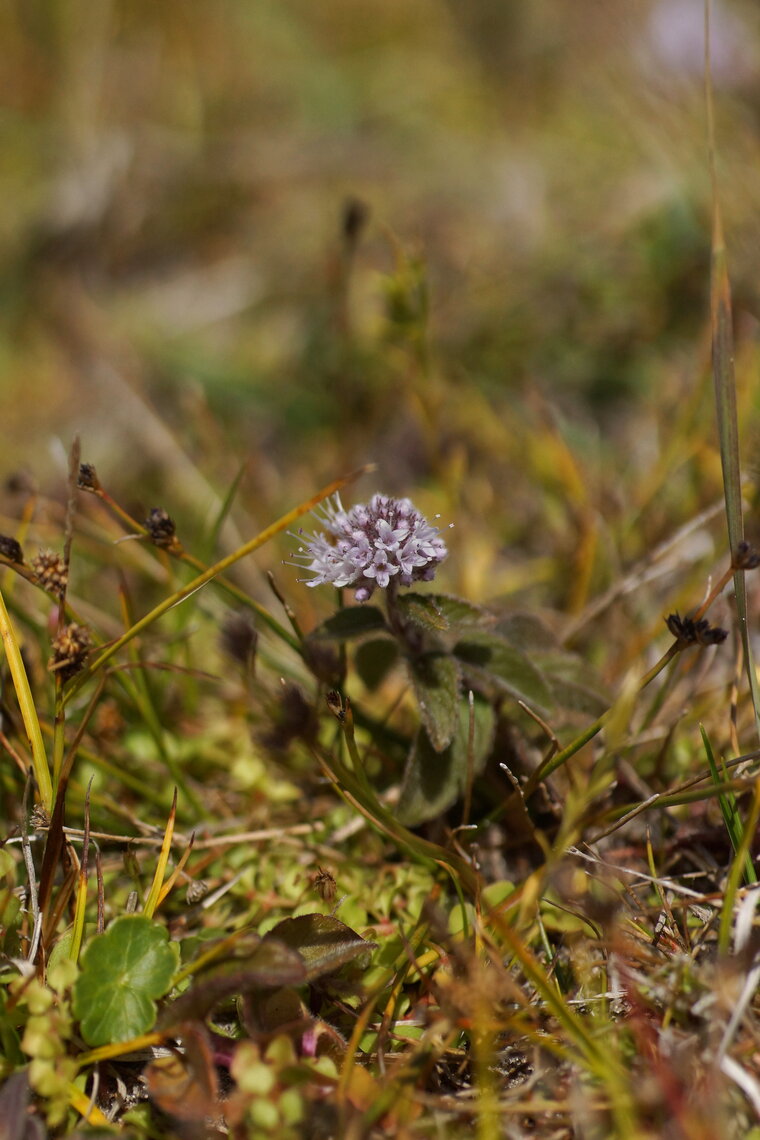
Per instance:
(736,871)
(224,510)
(163,858)
(169,884)
(724,378)
(81,892)
(728,808)
(26,704)
(119,1049)
(363,798)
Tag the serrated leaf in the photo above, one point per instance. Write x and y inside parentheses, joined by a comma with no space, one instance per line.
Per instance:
(489,656)
(374,659)
(435,679)
(269,965)
(433,781)
(353,621)
(124,971)
(323,942)
(459,613)
(422,611)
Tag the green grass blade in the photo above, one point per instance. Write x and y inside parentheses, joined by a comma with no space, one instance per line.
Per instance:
(735,873)
(724,379)
(729,808)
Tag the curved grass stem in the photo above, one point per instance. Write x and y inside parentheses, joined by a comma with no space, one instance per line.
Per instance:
(27,707)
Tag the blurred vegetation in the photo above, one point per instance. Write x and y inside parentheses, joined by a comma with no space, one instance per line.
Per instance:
(246,248)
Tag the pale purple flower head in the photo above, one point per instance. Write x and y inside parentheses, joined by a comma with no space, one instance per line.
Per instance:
(371,545)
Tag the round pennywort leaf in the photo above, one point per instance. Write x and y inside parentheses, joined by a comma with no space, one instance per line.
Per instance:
(123,971)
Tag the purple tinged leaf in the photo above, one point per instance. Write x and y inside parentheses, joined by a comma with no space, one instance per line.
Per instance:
(323,942)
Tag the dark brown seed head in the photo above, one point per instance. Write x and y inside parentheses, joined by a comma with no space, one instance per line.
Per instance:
(88,478)
(239,639)
(50,572)
(335,704)
(355,218)
(11,549)
(21,483)
(688,632)
(70,648)
(747,557)
(161,529)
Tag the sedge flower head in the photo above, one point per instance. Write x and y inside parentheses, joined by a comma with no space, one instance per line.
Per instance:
(371,545)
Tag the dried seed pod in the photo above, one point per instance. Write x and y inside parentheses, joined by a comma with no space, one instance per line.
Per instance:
(11,549)
(50,572)
(70,648)
(196,890)
(162,530)
(323,882)
(39,818)
(88,478)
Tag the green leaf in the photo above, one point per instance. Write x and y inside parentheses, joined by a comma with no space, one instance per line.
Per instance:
(573,683)
(267,966)
(488,656)
(421,610)
(374,659)
(435,679)
(433,781)
(459,614)
(123,971)
(526,631)
(323,942)
(353,621)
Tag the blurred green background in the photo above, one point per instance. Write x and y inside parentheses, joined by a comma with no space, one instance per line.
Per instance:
(467,241)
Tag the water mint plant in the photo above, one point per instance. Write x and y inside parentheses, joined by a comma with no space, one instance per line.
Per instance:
(380,544)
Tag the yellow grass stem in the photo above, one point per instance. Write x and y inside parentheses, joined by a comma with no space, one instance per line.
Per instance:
(80,1102)
(168,885)
(26,705)
(163,858)
(119,1048)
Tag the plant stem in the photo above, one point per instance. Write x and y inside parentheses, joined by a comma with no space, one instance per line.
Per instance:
(26,704)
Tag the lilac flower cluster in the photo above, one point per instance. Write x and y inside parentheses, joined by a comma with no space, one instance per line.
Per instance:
(372,544)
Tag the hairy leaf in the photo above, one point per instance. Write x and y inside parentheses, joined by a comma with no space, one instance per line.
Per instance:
(422,611)
(374,659)
(433,781)
(490,657)
(353,621)
(459,613)
(435,679)
(323,942)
